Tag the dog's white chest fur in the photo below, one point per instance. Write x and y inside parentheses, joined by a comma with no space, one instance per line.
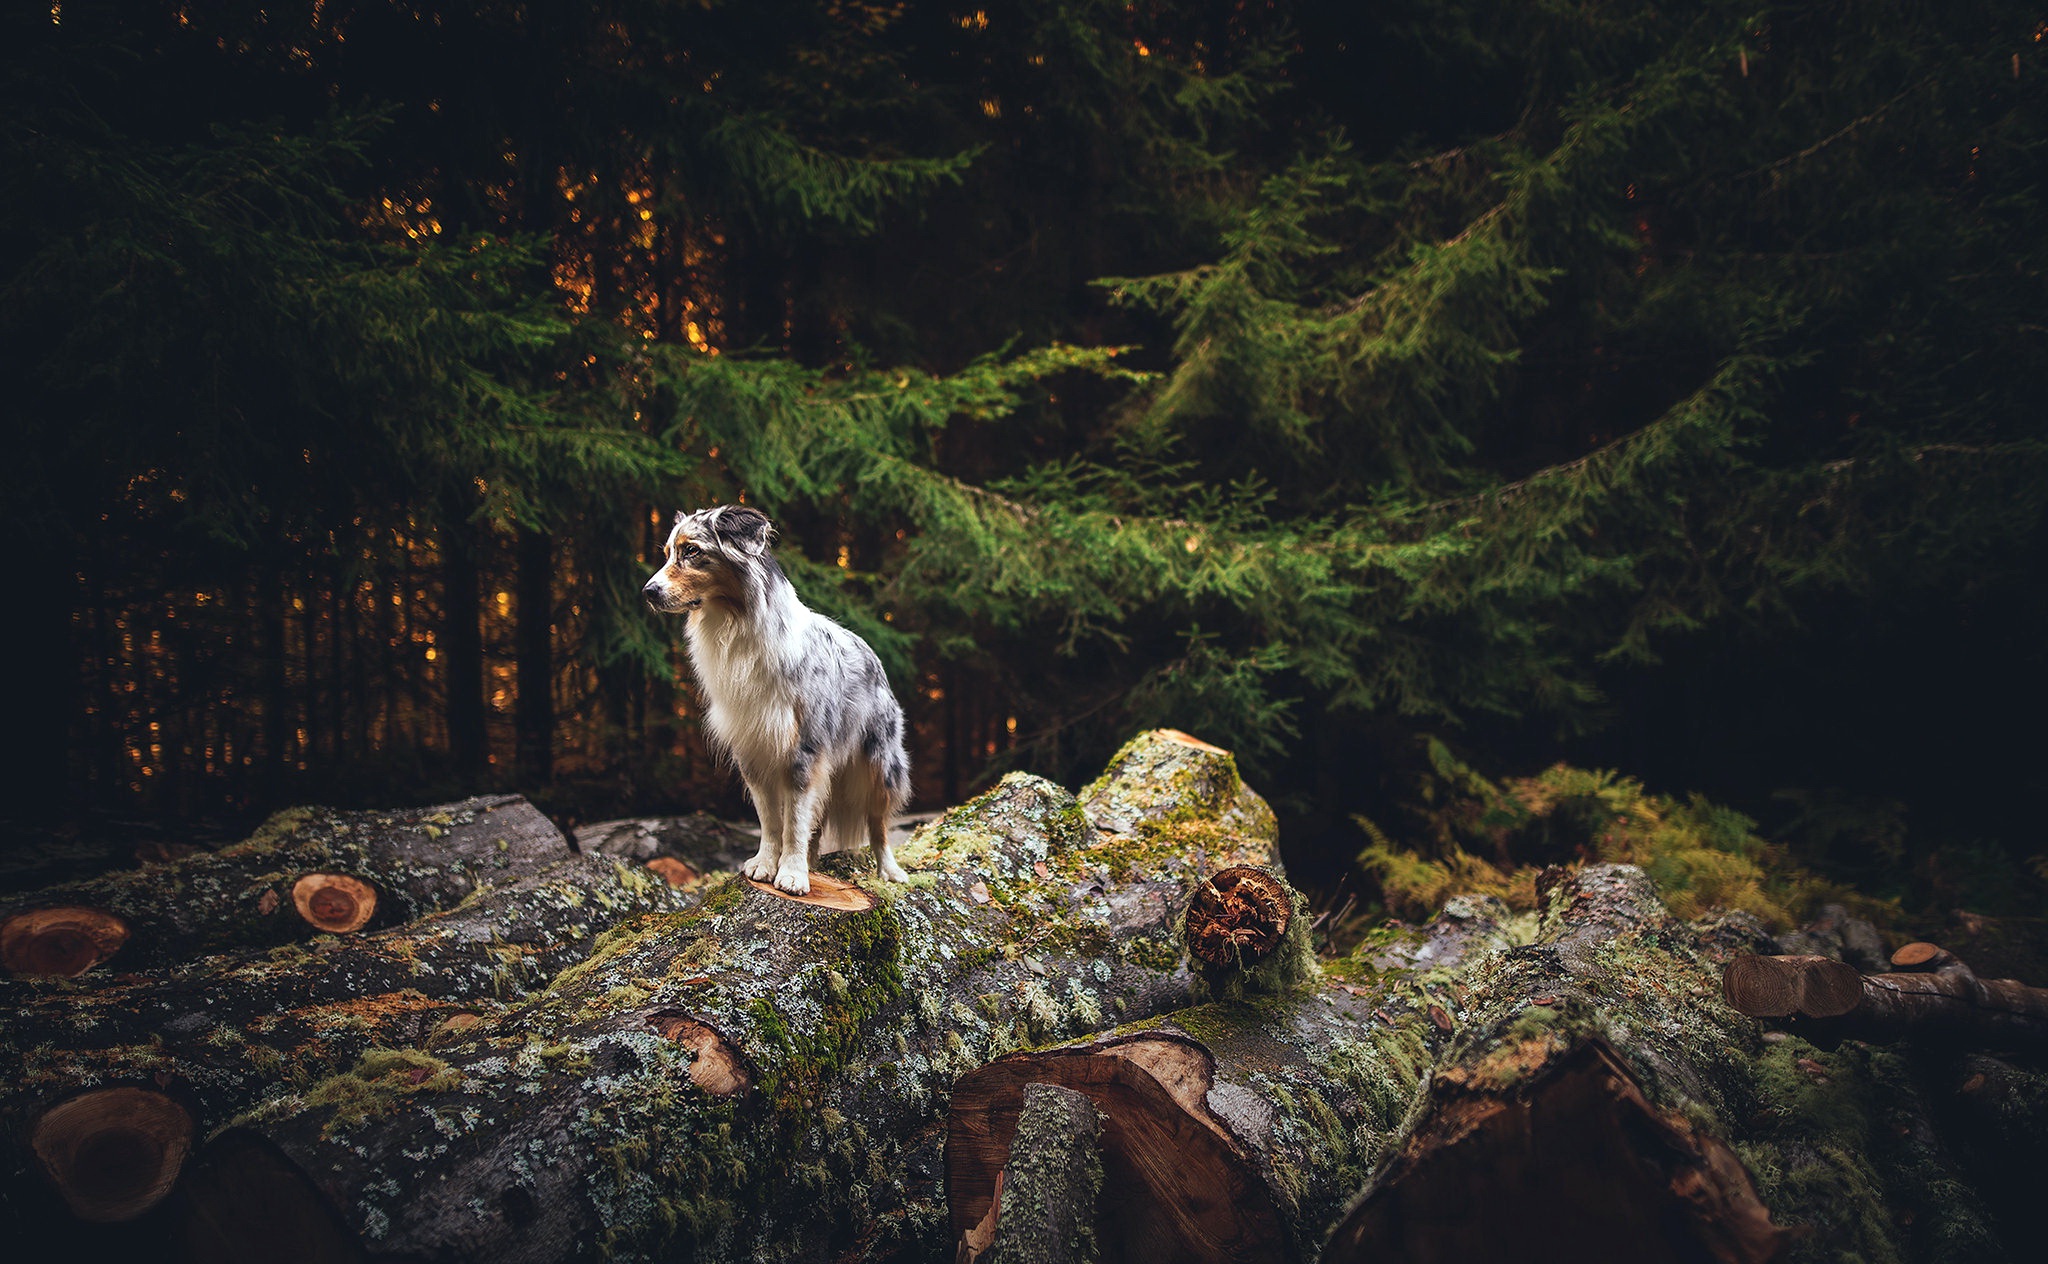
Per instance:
(750,711)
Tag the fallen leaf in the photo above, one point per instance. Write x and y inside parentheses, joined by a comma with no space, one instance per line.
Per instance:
(675,872)
(979,892)
(1038,867)
(1440,1018)
(267,903)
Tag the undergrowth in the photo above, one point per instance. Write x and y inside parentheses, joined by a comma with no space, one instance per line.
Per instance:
(1478,836)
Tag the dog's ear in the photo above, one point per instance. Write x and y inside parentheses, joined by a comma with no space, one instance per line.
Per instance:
(744,529)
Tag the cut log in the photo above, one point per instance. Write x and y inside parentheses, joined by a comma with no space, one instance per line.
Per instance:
(60,942)
(413,862)
(836,1031)
(1238,917)
(1235,1130)
(1600,1090)
(334,902)
(112,1153)
(1046,1194)
(1933,999)
(223,1031)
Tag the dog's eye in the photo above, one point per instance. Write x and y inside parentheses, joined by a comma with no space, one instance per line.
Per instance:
(690,550)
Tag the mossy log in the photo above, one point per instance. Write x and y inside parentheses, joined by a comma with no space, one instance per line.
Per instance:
(1053,1180)
(760,1077)
(219,1032)
(1600,1101)
(278,885)
(1931,997)
(1235,1130)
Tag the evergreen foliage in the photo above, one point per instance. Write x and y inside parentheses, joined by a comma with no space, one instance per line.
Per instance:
(1305,375)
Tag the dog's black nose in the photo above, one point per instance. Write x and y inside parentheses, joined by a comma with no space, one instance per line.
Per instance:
(652,594)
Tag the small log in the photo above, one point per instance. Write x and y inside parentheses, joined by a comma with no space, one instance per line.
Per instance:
(417,861)
(1933,999)
(836,1032)
(60,942)
(334,902)
(1248,934)
(1047,1192)
(112,1153)
(1238,917)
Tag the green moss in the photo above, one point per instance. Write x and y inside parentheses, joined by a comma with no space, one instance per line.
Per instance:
(380,1080)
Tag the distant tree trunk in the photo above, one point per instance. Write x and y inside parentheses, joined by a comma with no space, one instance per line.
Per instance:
(462,643)
(46,697)
(270,608)
(533,720)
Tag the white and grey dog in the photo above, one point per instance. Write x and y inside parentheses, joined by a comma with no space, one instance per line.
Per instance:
(800,703)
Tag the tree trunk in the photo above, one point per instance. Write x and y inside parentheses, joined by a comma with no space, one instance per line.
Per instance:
(1048,1190)
(1602,1103)
(533,717)
(415,862)
(220,1032)
(764,1075)
(462,643)
(1236,1130)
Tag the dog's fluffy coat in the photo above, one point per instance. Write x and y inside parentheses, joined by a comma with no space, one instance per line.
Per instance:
(799,703)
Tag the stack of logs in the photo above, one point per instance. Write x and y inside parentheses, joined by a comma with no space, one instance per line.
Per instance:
(1091,1027)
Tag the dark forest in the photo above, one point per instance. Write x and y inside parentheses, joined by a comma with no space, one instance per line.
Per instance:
(1528,435)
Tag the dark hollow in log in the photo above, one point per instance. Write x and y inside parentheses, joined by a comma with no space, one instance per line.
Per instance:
(113,1153)
(1046,1197)
(249,1205)
(1181,1190)
(1570,1164)
(1236,1130)
(334,902)
(1237,917)
(60,942)
(1940,1000)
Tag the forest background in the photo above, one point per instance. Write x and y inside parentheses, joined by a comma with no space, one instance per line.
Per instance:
(1411,396)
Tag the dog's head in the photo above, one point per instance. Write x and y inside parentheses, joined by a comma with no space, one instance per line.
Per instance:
(709,556)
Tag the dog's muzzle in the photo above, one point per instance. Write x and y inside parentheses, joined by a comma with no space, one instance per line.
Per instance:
(657,601)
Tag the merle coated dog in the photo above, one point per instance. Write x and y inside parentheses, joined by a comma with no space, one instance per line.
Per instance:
(799,703)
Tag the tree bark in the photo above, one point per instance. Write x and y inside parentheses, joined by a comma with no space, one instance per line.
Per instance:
(1602,1103)
(220,1032)
(533,717)
(1235,1130)
(417,861)
(1048,1189)
(763,1077)
(462,642)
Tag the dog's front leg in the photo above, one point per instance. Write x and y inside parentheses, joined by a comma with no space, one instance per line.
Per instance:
(794,873)
(772,806)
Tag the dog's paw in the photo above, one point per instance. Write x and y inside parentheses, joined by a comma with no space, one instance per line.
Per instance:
(795,879)
(893,872)
(759,868)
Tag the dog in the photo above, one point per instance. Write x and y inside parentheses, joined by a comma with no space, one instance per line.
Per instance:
(800,704)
